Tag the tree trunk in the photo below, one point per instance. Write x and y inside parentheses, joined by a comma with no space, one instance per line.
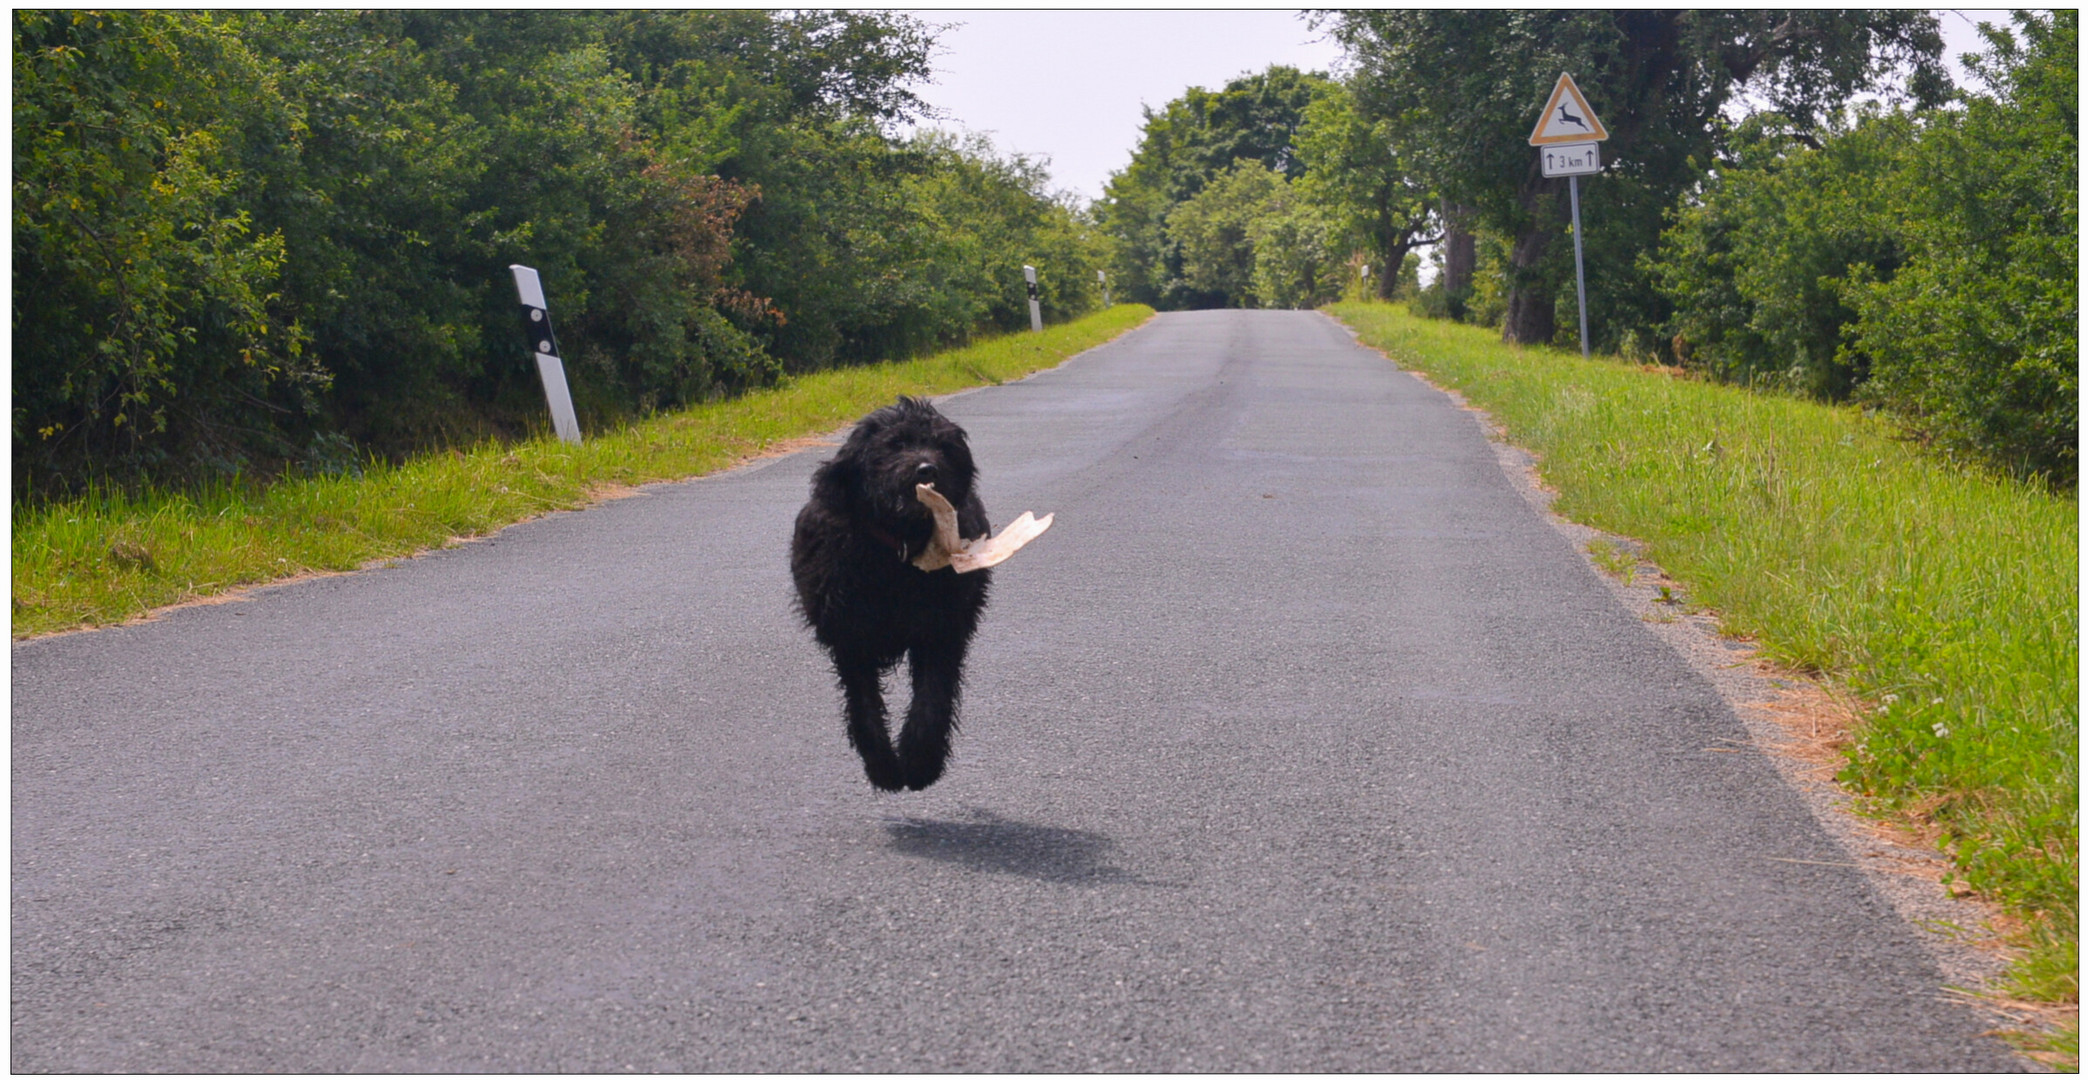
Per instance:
(1531,319)
(1388,281)
(1460,258)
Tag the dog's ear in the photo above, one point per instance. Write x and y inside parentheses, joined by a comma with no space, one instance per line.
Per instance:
(956,449)
(837,483)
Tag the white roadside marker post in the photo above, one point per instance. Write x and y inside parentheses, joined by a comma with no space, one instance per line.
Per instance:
(1103,279)
(536,322)
(1029,274)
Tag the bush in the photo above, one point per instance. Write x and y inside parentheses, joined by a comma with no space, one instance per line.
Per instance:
(1924,262)
(1757,269)
(241,238)
(1975,342)
(148,322)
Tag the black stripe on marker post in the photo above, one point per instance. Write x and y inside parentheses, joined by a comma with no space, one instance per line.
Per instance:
(536,324)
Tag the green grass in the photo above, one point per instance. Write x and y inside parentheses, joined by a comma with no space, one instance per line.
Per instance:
(1945,597)
(113,555)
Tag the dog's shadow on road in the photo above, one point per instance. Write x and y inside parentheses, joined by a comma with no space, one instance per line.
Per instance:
(994,844)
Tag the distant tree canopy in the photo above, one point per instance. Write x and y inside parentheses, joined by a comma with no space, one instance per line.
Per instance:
(1461,89)
(1184,146)
(1915,253)
(245,240)
(1922,260)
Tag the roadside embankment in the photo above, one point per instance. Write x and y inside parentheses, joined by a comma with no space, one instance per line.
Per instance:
(1944,600)
(113,556)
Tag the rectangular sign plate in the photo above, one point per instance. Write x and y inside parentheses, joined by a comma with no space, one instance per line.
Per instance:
(1570,159)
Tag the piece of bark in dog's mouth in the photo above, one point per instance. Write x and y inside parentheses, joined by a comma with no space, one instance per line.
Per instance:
(946,548)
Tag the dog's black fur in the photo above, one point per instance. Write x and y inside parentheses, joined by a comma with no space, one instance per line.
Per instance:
(851,556)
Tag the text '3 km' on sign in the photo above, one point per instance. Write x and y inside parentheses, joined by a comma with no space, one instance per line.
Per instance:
(1570,159)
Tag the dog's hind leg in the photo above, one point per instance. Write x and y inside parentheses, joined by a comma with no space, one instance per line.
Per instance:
(931,718)
(866,721)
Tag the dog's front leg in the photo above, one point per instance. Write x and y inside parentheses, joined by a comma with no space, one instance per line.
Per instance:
(867,730)
(931,718)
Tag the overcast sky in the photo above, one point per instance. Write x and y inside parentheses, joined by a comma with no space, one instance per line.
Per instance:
(1068,85)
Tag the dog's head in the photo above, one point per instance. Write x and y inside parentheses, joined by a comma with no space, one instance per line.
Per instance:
(903,444)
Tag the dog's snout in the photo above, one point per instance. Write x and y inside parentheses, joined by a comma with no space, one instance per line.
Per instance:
(925,473)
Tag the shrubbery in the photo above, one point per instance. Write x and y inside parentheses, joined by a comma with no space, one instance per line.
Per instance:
(1922,261)
(1917,254)
(245,238)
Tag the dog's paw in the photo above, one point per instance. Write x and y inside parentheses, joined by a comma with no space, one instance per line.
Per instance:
(922,771)
(885,772)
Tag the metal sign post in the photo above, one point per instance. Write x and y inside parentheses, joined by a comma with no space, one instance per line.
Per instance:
(1565,137)
(1580,276)
(1029,274)
(536,322)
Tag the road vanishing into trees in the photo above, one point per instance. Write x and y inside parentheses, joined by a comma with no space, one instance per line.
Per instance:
(1300,743)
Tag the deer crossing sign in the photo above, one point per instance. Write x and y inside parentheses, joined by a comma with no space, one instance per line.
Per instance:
(1565,138)
(1567,118)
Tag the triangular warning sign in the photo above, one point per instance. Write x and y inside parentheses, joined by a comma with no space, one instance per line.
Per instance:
(1567,118)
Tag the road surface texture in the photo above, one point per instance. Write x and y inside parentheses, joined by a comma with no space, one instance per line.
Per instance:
(1300,743)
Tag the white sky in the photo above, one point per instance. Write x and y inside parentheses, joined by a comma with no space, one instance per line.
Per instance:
(1068,85)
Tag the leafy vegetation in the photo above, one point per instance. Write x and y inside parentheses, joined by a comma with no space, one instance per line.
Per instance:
(1925,262)
(1462,90)
(1947,597)
(1916,253)
(252,240)
(113,553)
(1186,145)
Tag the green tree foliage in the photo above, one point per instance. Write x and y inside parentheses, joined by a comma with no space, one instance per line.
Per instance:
(1184,146)
(1976,339)
(1213,229)
(1363,186)
(1462,88)
(1300,253)
(1758,266)
(254,238)
(1924,261)
(145,303)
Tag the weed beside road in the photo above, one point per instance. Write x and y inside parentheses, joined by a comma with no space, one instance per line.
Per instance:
(1945,597)
(113,555)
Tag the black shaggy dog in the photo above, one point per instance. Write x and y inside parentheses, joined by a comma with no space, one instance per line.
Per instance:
(869,604)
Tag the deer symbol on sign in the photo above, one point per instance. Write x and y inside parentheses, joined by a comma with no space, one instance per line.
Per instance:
(1568,118)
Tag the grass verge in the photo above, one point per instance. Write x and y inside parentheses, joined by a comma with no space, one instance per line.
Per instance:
(111,556)
(1946,598)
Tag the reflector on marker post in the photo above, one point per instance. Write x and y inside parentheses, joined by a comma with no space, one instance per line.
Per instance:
(536,322)
(1029,274)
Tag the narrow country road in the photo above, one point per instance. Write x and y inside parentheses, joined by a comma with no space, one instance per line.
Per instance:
(1300,743)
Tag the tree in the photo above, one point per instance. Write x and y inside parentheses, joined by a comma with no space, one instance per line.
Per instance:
(1976,340)
(1183,147)
(1300,253)
(1463,87)
(1923,261)
(147,322)
(1758,265)
(1214,230)
(1356,175)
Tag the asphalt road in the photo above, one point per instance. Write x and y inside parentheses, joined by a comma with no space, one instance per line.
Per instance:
(1299,743)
